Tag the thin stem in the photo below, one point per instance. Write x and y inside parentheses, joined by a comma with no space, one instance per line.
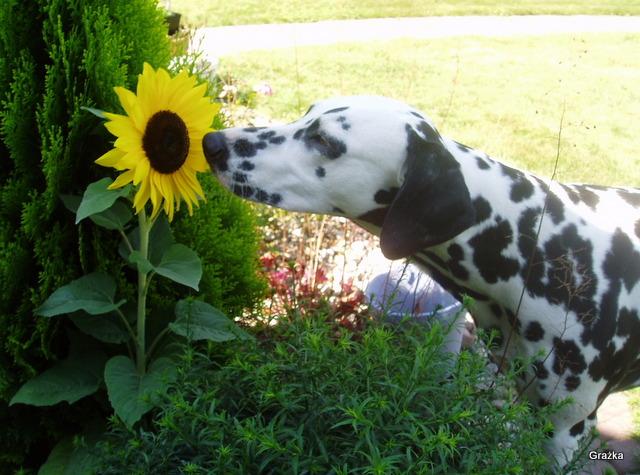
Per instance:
(157,340)
(145,228)
(126,240)
(126,324)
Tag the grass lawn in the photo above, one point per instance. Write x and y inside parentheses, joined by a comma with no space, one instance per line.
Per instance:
(239,12)
(504,96)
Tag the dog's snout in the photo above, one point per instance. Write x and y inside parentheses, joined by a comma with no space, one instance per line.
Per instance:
(215,150)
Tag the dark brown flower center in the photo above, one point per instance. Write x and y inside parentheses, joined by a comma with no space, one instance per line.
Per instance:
(166,141)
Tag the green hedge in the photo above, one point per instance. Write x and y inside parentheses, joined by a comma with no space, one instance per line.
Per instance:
(311,399)
(55,57)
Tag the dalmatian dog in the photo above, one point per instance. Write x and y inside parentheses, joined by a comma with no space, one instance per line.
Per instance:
(553,268)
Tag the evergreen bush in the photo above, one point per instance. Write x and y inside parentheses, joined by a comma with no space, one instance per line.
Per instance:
(57,56)
(309,399)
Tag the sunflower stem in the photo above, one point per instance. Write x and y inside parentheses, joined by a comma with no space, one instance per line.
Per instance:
(145,228)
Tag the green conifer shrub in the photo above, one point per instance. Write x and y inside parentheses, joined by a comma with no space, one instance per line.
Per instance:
(57,56)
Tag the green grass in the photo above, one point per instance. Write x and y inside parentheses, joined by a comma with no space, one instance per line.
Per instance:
(240,12)
(504,96)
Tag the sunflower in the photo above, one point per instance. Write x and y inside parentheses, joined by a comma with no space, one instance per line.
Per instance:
(159,139)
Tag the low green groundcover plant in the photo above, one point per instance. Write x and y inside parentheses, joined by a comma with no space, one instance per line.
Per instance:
(310,398)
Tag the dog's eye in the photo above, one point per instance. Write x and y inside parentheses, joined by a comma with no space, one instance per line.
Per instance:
(326,145)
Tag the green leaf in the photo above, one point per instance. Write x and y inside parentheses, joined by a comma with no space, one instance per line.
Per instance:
(93,293)
(181,265)
(97,112)
(198,320)
(107,328)
(132,395)
(69,380)
(141,263)
(71,202)
(115,217)
(98,198)
(66,459)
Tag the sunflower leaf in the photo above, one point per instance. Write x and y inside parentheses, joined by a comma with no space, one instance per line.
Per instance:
(182,265)
(69,380)
(141,263)
(115,217)
(94,293)
(131,394)
(97,198)
(198,320)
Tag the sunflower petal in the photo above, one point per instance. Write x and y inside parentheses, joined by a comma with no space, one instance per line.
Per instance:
(111,158)
(122,180)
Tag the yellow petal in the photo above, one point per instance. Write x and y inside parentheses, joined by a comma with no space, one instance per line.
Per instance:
(142,170)
(122,180)
(130,105)
(111,158)
(142,196)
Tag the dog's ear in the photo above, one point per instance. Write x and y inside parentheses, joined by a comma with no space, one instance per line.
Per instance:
(433,204)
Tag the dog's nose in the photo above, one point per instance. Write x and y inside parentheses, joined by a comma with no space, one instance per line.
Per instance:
(215,150)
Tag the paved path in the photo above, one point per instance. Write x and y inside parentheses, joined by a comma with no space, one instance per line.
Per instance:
(226,40)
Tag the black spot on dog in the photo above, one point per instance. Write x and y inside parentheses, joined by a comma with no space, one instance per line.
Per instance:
(266,135)
(621,267)
(336,110)
(298,134)
(631,197)
(430,134)
(245,191)
(455,289)
(385,197)
(513,320)
(240,177)
(482,164)
(456,254)
(567,357)
(587,196)
(253,129)
(275,198)
(261,145)
(342,118)
(261,196)
(346,126)
(510,172)
(244,148)
(534,331)
(577,429)
(416,114)
(544,403)
(571,193)
(488,246)
(327,145)
(246,165)
(562,271)
(555,208)
(462,147)
(496,310)
(482,209)
(277,140)
(521,190)
(619,366)
(540,370)
(572,382)
(320,172)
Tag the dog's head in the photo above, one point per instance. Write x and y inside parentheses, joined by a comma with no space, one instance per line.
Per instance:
(371,159)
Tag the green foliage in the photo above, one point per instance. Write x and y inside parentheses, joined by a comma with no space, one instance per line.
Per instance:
(56,57)
(223,233)
(314,400)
